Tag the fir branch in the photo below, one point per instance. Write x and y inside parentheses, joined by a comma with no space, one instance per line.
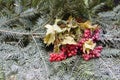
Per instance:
(29,13)
(20,33)
(6,22)
(42,25)
(41,56)
(113,75)
(110,52)
(74,66)
(97,8)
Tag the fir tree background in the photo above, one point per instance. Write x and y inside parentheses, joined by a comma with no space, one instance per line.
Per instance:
(24,56)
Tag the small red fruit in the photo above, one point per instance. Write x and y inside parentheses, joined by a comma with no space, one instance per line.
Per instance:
(97,55)
(86,57)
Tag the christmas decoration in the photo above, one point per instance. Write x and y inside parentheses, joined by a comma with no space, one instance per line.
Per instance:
(71,36)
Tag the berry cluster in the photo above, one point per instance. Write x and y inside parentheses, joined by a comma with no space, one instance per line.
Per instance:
(70,50)
(93,53)
(57,57)
(87,33)
(66,51)
(95,37)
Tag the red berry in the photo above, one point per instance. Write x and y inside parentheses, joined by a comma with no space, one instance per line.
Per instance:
(58,59)
(93,56)
(99,48)
(90,55)
(72,52)
(50,59)
(75,51)
(86,57)
(69,55)
(97,55)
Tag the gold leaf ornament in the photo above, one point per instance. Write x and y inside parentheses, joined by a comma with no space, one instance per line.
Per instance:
(51,32)
(88,45)
(50,38)
(69,40)
(88,25)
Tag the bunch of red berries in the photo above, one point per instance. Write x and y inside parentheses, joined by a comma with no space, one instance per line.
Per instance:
(57,57)
(87,33)
(70,50)
(95,37)
(93,53)
(66,51)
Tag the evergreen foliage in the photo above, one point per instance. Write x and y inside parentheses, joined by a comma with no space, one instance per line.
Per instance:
(23,21)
